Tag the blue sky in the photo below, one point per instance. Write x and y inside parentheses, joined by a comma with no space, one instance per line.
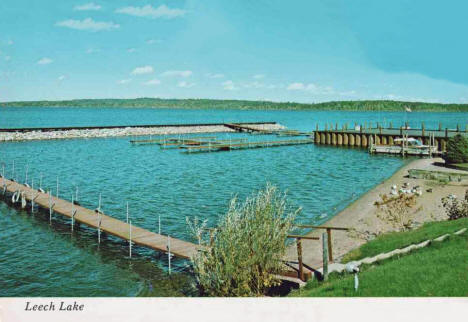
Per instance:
(305,51)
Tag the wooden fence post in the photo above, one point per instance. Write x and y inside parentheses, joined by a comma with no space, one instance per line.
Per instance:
(330,251)
(299,258)
(325,256)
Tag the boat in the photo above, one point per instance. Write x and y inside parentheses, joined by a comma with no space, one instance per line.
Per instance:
(405,146)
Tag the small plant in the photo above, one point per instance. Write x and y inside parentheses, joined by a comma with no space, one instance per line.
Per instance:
(455,208)
(457,150)
(247,247)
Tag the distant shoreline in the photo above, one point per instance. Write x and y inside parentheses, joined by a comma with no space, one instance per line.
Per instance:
(354,106)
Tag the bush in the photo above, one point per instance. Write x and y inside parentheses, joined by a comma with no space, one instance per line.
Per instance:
(457,150)
(455,208)
(247,247)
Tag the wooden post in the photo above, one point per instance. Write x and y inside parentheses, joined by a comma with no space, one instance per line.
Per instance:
(423,129)
(330,251)
(130,240)
(127,212)
(391,125)
(211,238)
(440,126)
(458,127)
(72,213)
(446,133)
(50,207)
(99,228)
(169,252)
(299,258)
(32,196)
(325,255)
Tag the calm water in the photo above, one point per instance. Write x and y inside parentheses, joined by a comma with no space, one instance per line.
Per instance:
(41,260)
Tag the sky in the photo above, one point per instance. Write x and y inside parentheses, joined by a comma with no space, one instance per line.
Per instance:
(299,50)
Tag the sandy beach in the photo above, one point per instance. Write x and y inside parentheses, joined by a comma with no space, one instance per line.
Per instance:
(365,217)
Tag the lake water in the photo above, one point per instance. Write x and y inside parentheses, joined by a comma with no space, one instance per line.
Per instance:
(37,259)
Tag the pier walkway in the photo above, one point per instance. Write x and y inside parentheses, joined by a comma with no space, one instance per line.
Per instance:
(102,222)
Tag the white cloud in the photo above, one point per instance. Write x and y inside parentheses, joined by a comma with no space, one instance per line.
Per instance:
(87,6)
(149,11)
(124,81)
(185,84)
(131,50)
(153,82)
(259,76)
(177,73)
(229,85)
(88,24)
(210,75)
(61,78)
(92,50)
(153,41)
(296,86)
(316,89)
(44,61)
(143,70)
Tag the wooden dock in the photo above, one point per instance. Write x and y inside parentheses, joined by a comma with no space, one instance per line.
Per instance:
(363,135)
(35,199)
(243,145)
(102,222)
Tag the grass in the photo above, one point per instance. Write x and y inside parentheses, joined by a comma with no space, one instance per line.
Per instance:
(388,242)
(440,269)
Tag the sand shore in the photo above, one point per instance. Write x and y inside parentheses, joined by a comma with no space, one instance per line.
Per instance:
(125,131)
(362,215)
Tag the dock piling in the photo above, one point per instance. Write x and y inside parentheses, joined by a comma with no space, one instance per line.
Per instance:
(299,258)
(127,212)
(130,240)
(169,252)
(325,256)
(72,213)
(99,228)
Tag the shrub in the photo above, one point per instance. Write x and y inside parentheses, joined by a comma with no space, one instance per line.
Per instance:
(457,150)
(247,247)
(456,208)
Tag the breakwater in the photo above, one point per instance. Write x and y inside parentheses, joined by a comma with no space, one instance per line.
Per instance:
(52,133)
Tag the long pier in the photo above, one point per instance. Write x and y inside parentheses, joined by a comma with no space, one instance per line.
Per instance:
(100,221)
(362,135)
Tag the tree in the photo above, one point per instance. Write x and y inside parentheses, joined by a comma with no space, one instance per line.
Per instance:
(457,150)
(247,248)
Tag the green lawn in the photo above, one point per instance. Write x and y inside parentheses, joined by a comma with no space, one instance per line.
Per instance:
(441,269)
(388,242)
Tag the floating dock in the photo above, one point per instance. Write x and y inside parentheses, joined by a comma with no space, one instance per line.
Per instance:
(243,145)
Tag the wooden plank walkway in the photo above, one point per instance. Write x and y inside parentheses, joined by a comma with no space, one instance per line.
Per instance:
(109,225)
(243,145)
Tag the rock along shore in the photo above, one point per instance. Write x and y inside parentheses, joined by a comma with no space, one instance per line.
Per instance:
(125,131)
